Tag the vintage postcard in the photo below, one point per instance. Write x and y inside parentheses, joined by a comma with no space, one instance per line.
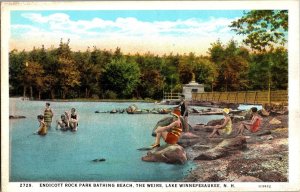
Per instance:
(150,96)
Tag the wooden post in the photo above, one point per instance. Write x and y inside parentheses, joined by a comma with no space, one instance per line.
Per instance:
(269,88)
(255,97)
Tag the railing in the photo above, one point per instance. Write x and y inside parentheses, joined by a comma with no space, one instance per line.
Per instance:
(244,97)
(171,96)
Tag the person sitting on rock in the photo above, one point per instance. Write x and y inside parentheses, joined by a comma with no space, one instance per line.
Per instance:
(43,127)
(226,127)
(63,123)
(169,133)
(253,125)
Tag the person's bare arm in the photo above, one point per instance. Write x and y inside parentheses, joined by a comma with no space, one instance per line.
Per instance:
(219,126)
(249,122)
(224,123)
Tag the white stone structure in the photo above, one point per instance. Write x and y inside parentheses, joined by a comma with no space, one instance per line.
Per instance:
(192,87)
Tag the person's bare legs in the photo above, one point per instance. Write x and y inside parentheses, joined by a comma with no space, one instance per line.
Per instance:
(186,125)
(73,125)
(241,129)
(159,133)
(213,133)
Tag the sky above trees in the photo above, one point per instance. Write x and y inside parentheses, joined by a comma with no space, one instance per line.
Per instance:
(157,31)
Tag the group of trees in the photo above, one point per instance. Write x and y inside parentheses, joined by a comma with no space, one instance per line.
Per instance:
(63,73)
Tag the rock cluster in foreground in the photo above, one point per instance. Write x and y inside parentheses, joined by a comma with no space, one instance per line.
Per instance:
(259,157)
(253,157)
(173,154)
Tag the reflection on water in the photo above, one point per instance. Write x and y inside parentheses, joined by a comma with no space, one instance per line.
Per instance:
(67,156)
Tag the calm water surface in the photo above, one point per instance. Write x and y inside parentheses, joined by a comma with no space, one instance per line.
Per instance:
(67,156)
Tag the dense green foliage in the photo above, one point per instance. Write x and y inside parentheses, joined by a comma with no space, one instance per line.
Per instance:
(63,73)
(263,28)
(264,31)
(121,77)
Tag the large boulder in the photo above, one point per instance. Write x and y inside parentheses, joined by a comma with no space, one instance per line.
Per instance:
(281,121)
(173,154)
(201,127)
(166,121)
(275,121)
(215,122)
(163,122)
(189,139)
(223,149)
(188,135)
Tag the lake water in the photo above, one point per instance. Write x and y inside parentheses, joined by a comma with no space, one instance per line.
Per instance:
(67,156)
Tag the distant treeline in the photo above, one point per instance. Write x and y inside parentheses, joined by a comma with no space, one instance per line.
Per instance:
(62,73)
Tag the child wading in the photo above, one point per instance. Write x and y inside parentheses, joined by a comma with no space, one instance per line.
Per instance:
(43,127)
(169,133)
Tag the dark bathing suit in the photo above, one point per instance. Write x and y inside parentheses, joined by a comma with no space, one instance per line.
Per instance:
(182,109)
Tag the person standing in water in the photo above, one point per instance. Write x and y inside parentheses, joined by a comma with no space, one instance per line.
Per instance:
(43,127)
(63,123)
(48,114)
(74,117)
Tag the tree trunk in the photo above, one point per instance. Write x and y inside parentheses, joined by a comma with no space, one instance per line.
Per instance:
(31,93)
(86,92)
(39,95)
(63,94)
(24,92)
(52,94)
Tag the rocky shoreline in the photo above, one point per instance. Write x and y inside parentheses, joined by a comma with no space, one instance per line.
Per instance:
(259,157)
(253,157)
